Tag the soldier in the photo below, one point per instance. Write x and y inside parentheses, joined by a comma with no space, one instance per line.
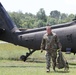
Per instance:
(51,43)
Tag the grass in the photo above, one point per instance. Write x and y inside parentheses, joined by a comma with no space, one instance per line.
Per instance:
(10,51)
(10,63)
(30,68)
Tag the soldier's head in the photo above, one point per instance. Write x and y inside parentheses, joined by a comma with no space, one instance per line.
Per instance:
(48,30)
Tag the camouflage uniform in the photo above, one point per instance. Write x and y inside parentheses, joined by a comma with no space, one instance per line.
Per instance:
(50,43)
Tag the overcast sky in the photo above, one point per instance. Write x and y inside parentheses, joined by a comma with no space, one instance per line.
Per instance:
(33,6)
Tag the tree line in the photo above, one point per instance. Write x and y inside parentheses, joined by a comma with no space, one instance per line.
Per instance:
(29,20)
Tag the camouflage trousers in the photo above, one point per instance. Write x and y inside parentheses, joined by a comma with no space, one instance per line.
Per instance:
(52,55)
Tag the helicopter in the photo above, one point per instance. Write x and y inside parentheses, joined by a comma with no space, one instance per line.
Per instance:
(31,38)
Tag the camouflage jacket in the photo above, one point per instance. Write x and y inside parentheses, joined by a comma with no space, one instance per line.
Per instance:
(50,42)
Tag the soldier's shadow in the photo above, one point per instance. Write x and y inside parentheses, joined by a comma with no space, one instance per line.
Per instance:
(62,71)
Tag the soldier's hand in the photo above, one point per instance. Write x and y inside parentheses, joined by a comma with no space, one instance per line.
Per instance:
(41,51)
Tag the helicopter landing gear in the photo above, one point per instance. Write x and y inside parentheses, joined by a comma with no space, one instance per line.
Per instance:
(24,57)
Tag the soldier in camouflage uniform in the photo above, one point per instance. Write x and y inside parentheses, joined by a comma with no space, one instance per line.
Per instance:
(51,43)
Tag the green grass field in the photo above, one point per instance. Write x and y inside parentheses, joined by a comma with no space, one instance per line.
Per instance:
(10,63)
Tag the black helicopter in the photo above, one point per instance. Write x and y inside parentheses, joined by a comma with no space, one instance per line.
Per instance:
(31,39)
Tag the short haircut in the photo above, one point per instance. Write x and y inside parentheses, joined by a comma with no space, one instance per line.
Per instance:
(48,27)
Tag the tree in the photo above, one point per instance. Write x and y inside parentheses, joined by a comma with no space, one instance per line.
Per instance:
(41,23)
(29,20)
(52,21)
(41,15)
(55,14)
(63,16)
(71,16)
(16,17)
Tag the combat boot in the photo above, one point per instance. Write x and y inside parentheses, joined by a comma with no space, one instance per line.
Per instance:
(54,69)
(48,70)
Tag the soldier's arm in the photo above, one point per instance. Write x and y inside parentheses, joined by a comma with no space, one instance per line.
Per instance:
(58,42)
(42,44)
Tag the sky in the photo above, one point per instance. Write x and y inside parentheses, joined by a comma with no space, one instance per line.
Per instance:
(33,6)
